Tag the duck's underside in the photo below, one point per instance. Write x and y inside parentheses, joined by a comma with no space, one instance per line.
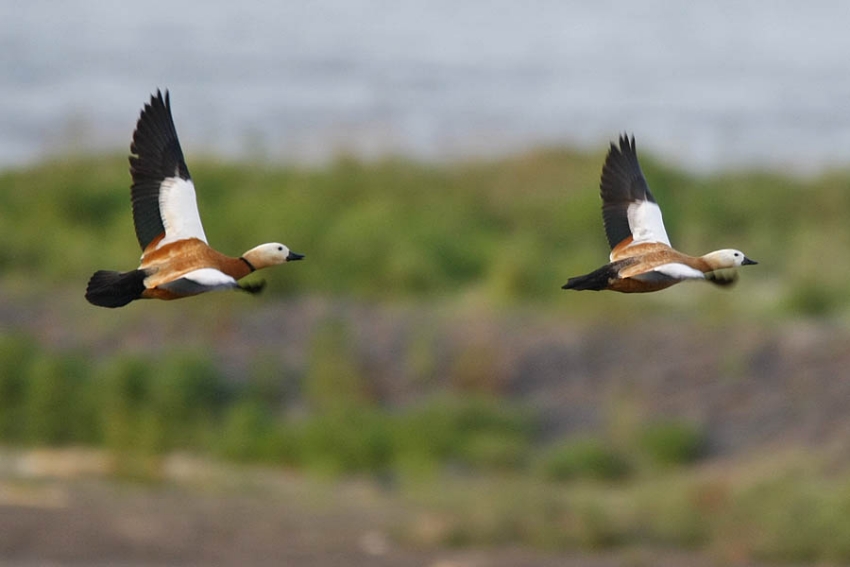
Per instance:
(608,278)
(620,276)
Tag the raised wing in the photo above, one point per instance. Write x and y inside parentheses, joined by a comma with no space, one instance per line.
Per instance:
(629,210)
(163,195)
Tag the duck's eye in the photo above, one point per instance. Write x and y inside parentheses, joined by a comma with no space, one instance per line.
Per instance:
(280,249)
(736,254)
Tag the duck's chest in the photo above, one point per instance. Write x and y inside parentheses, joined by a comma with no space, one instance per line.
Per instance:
(176,259)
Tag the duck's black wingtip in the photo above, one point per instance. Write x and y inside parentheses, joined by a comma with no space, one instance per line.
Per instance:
(627,143)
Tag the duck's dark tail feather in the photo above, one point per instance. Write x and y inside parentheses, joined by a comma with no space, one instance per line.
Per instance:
(115,289)
(596,280)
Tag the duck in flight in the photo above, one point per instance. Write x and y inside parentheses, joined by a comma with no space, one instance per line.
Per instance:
(176,259)
(642,258)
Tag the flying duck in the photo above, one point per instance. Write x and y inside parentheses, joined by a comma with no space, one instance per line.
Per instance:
(176,259)
(642,258)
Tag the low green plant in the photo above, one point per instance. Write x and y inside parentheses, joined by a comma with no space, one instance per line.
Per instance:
(672,442)
(56,408)
(357,440)
(814,297)
(250,432)
(791,518)
(587,458)
(17,353)
(334,381)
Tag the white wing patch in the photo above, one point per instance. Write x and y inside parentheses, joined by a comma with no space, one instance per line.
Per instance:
(646,223)
(680,271)
(179,210)
(199,281)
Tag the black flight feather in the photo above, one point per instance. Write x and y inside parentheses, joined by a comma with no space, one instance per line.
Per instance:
(622,183)
(156,157)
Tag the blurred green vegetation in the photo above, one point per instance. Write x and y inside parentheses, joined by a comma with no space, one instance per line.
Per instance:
(788,516)
(672,442)
(503,232)
(140,409)
(510,230)
(476,469)
(591,458)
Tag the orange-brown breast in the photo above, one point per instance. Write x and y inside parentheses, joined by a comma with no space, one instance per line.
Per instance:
(176,259)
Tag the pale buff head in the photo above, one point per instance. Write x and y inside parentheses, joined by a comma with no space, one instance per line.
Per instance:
(727,258)
(270,254)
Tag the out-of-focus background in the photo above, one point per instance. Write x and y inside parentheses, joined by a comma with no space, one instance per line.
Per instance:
(419,391)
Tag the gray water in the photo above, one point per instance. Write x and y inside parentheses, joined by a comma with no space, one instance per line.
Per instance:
(706,85)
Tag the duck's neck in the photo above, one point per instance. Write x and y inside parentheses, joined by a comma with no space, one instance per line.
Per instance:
(714,261)
(251,267)
(236,268)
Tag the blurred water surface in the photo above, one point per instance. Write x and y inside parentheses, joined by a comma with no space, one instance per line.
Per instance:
(709,85)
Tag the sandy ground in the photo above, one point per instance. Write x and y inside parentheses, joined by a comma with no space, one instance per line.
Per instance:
(57,509)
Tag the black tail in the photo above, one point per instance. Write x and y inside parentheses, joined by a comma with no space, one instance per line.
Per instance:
(596,280)
(115,289)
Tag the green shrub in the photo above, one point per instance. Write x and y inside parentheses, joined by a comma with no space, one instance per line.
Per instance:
(56,411)
(677,512)
(123,387)
(672,442)
(793,519)
(250,433)
(334,381)
(148,407)
(476,432)
(345,442)
(495,451)
(187,393)
(16,356)
(587,458)
(815,298)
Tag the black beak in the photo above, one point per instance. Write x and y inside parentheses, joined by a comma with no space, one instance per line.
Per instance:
(748,262)
(292,256)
